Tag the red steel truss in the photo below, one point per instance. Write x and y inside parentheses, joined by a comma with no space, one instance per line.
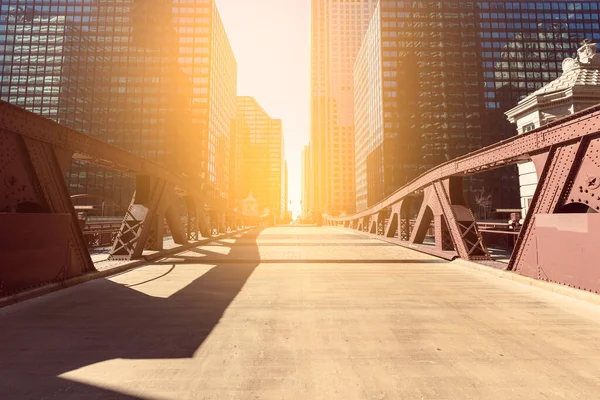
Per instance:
(40,238)
(561,230)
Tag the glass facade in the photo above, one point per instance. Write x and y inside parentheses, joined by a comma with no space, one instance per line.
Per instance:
(260,159)
(337,29)
(449,71)
(307,185)
(368,121)
(155,77)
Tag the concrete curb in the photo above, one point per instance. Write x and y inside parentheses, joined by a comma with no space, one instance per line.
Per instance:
(568,291)
(54,287)
(524,280)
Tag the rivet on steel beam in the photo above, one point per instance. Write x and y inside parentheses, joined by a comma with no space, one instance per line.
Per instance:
(593,182)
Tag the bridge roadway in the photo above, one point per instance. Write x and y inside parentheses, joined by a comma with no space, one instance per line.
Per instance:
(301,313)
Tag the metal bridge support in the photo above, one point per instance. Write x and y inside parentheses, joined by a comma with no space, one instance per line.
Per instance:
(425,217)
(143,225)
(376,223)
(372,227)
(559,238)
(455,225)
(216,222)
(221,224)
(392,225)
(399,221)
(192,219)
(459,221)
(203,220)
(40,238)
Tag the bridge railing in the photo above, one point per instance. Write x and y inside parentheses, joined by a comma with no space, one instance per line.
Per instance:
(41,237)
(561,229)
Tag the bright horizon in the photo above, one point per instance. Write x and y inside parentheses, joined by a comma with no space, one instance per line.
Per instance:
(271,43)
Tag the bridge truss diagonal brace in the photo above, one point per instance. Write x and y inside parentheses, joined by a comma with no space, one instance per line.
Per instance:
(360,224)
(202,218)
(376,223)
(143,225)
(47,164)
(399,220)
(391,228)
(460,222)
(192,219)
(431,211)
(425,216)
(561,179)
(455,227)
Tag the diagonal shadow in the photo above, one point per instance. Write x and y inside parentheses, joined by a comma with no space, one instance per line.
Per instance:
(104,320)
(223,259)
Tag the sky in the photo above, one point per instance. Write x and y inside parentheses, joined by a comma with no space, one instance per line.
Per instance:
(271,43)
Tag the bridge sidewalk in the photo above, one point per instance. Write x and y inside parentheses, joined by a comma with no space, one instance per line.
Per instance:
(300,313)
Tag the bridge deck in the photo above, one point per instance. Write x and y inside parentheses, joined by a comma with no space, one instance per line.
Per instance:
(301,313)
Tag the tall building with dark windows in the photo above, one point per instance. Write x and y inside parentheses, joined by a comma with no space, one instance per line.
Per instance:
(307,186)
(260,160)
(155,77)
(337,29)
(433,80)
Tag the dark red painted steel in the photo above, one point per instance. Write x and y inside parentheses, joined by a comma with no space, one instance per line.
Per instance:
(511,151)
(35,154)
(562,228)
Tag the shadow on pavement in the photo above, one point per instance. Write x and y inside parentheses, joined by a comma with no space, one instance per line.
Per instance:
(104,320)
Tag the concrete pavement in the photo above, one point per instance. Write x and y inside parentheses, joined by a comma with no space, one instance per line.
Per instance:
(301,313)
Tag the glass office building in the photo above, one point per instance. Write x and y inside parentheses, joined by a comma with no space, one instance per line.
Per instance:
(448,71)
(337,29)
(260,163)
(155,77)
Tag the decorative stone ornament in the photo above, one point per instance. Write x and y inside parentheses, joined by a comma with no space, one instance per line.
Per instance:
(586,57)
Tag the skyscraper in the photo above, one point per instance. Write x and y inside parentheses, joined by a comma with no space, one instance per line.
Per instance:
(155,77)
(260,160)
(433,79)
(337,29)
(285,207)
(307,186)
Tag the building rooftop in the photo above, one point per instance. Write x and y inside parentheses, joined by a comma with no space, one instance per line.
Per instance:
(579,82)
(577,72)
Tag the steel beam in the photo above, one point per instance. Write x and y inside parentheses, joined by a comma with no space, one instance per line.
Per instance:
(140,220)
(562,228)
(511,151)
(458,221)
(394,221)
(34,187)
(425,217)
